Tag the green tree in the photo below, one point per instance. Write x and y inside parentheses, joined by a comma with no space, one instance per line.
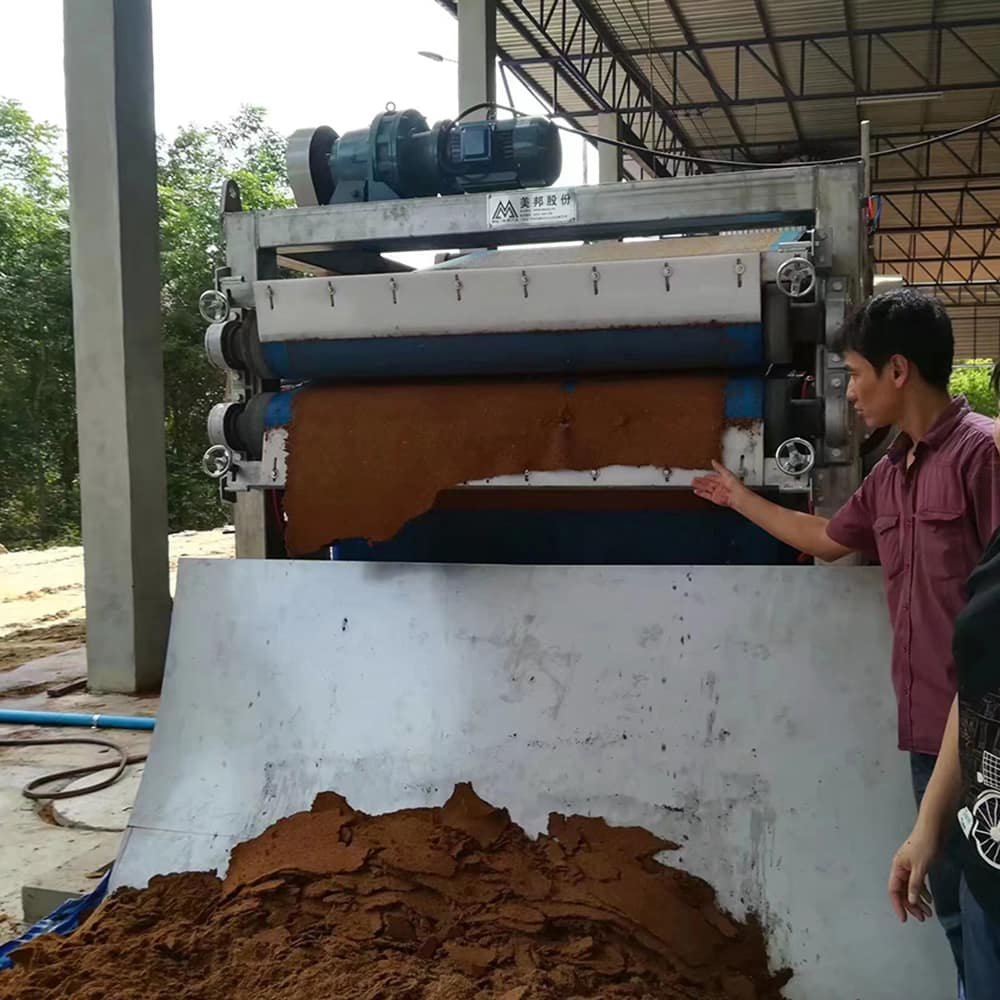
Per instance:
(38,463)
(39,488)
(972,380)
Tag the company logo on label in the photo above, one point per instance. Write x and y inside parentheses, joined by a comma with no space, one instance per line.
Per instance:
(505,212)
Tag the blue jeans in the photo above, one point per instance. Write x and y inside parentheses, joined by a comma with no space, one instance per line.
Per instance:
(981,939)
(945,876)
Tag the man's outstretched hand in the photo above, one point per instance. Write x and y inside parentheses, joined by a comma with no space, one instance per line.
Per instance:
(723,488)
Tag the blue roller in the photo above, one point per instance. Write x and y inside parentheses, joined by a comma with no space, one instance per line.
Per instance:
(675,348)
(745,399)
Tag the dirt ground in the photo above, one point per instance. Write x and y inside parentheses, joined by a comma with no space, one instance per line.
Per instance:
(42,606)
(34,643)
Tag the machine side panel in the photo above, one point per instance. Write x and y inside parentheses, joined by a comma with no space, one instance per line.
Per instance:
(718,707)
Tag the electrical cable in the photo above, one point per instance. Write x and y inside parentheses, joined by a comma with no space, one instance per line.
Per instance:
(30,790)
(747,164)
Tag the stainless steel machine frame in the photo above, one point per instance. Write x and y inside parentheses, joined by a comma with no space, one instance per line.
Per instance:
(825,201)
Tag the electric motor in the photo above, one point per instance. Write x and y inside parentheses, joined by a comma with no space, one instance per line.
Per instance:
(400,156)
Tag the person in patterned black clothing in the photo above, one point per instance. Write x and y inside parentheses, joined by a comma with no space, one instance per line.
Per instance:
(966,782)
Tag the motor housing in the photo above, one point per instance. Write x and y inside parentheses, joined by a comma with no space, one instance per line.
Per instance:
(400,156)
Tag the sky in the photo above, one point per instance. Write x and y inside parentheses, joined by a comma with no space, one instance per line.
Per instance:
(308,62)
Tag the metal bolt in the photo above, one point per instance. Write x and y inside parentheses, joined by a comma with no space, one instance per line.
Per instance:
(837,285)
(836,382)
(594,474)
(836,452)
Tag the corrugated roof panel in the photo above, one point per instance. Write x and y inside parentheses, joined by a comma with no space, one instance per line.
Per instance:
(755,80)
(948,10)
(832,117)
(959,64)
(902,61)
(940,207)
(687,86)
(828,67)
(933,118)
(797,17)
(882,13)
(770,123)
(946,159)
(642,24)
(726,21)
(976,329)
(692,84)
(896,247)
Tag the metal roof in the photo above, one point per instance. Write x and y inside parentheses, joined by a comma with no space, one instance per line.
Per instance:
(779,80)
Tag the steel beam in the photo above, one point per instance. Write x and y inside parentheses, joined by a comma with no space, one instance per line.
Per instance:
(727,101)
(546,98)
(793,55)
(963,293)
(713,81)
(849,24)
(477,55)
(932,27)
(609,157)
(590,30)
(679,205)
(778,73)
(116,320)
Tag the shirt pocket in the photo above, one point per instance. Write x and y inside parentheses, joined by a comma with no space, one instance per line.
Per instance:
(942,544)
(889,544)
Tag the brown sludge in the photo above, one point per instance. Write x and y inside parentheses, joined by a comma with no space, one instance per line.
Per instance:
(365,459)
(450,903)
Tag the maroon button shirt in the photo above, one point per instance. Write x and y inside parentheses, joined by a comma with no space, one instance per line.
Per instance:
(928,524)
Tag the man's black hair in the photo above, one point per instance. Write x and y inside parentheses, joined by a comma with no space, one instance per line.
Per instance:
(995,379)
(906,322)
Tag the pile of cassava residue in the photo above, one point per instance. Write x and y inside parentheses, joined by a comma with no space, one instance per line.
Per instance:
(450,903)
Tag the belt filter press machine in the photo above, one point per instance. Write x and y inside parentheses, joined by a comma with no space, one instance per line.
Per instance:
(751,293)
(484,465)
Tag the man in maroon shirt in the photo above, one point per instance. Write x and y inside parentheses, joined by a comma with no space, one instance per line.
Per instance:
(927,510)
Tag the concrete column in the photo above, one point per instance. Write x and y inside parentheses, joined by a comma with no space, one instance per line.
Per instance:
(119,359)
(609,158)
(477,52)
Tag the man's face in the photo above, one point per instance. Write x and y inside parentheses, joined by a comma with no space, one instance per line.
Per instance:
(876,396)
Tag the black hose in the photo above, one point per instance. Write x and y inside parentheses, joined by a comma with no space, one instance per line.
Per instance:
(666,154)
(30,790)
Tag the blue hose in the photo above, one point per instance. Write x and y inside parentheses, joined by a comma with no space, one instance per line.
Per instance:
(14,717)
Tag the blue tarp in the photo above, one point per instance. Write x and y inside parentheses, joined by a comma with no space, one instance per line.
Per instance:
(63,920)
